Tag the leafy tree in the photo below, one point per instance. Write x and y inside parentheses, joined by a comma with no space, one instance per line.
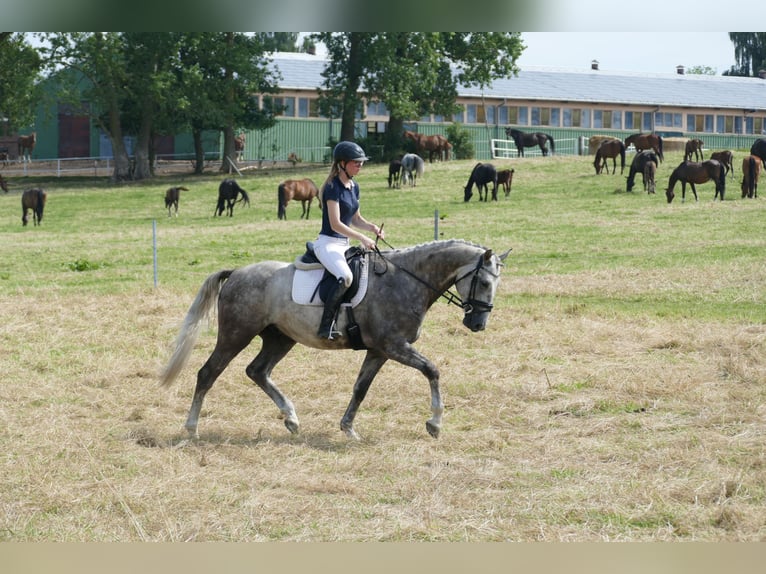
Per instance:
(749,52)
(701,70)
(20,66)
(412,73)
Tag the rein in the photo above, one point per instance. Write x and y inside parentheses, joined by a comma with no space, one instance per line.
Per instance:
(452,298)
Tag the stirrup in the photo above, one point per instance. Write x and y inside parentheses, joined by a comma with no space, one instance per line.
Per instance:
(330,332)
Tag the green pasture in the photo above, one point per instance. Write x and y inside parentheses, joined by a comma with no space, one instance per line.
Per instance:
(560,219)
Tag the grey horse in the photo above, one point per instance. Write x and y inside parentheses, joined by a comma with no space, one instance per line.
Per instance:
(403,284)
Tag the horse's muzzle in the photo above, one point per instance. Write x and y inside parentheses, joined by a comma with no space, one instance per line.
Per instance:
(476,320)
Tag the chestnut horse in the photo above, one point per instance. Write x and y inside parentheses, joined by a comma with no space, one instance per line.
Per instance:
(303,190)
(751,169)
(693,146)
(505,178)
(692,172)
(726,158)
(435,144)
(646,141)
(610,149)
(239,145)
(27,146)
(33,199)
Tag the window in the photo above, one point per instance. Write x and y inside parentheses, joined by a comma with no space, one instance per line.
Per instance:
(458,117)
(555,117)
(490,114)
(523,116)
(471,113)
(598,119)
(303,107)
(502,115)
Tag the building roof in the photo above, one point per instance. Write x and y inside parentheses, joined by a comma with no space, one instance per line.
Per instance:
(303,71)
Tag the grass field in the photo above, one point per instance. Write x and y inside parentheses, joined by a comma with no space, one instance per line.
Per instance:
(617,394)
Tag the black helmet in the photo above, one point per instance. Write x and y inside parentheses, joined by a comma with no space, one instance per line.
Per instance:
(348,151)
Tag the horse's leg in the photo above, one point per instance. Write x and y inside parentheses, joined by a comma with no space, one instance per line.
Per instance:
(408,356)
(275,347)
(694,190)
(373,361)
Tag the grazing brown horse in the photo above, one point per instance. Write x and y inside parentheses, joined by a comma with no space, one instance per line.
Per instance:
(303,190)
(726,158)
(435,144)
(638,165)
(751,170)
(27,146)
(394,172)
(172,195)
(646,141)
(3,184)
(692,172)
(693,146)
(505,178)
(610,149)
(522,139)
(33,199)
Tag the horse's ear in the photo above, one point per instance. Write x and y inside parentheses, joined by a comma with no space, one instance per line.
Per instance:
(504,255)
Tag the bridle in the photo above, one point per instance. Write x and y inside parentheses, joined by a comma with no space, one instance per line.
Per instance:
(471,304)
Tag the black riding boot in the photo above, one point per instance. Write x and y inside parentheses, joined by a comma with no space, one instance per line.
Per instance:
(331,306)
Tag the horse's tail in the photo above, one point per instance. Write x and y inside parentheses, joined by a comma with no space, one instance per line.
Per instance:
(281,202)
(659,146)
(622,156)
(753,167)
(420,166)
(597,161)
(41,197)
(722,179)
(245,198)
(200,308)
(553,144)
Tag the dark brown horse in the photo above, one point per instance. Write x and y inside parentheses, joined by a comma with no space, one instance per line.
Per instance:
(693,146)
(228,192)
(33,199)
(751,170)
(638,165)
(303,190)
(27,146)
(650,173)
(726,158)
(758,149)
(434,144)
(172,195)
(394,172)
(646,141)
(610,149)
(505,178)
(482,175)
(523,139)
(3,184)
(692,172)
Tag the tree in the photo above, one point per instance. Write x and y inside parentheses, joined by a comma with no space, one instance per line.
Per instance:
(20,66)
(749,52)
(412,73)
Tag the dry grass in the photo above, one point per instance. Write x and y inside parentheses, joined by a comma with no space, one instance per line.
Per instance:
(564,422)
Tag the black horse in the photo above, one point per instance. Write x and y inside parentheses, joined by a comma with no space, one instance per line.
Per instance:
(227,197)
(639,166)
(481,175)
(759,149)
(522,140)
(33,199)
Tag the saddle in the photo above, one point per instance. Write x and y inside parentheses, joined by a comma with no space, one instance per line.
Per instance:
(319,280)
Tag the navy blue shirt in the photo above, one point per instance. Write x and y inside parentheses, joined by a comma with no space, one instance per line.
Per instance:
(348,201)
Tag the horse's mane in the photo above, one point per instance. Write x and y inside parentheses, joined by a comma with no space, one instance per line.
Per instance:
(438,242)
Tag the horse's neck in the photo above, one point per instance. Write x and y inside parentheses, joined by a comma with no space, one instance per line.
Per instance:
(438,263)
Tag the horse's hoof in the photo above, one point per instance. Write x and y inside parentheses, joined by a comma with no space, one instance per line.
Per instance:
(432,429)
(292,425)
(351,433)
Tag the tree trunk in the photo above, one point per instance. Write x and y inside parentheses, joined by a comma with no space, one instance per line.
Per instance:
(122,171)
(142,168)
(229,153)
(393,145)
(350,98)
(199,152)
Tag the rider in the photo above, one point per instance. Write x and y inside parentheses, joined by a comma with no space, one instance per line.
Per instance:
(339,198)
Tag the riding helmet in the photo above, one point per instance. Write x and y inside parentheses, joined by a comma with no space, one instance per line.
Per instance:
(348,151)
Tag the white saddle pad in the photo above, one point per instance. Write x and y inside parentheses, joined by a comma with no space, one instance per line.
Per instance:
(305,282)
